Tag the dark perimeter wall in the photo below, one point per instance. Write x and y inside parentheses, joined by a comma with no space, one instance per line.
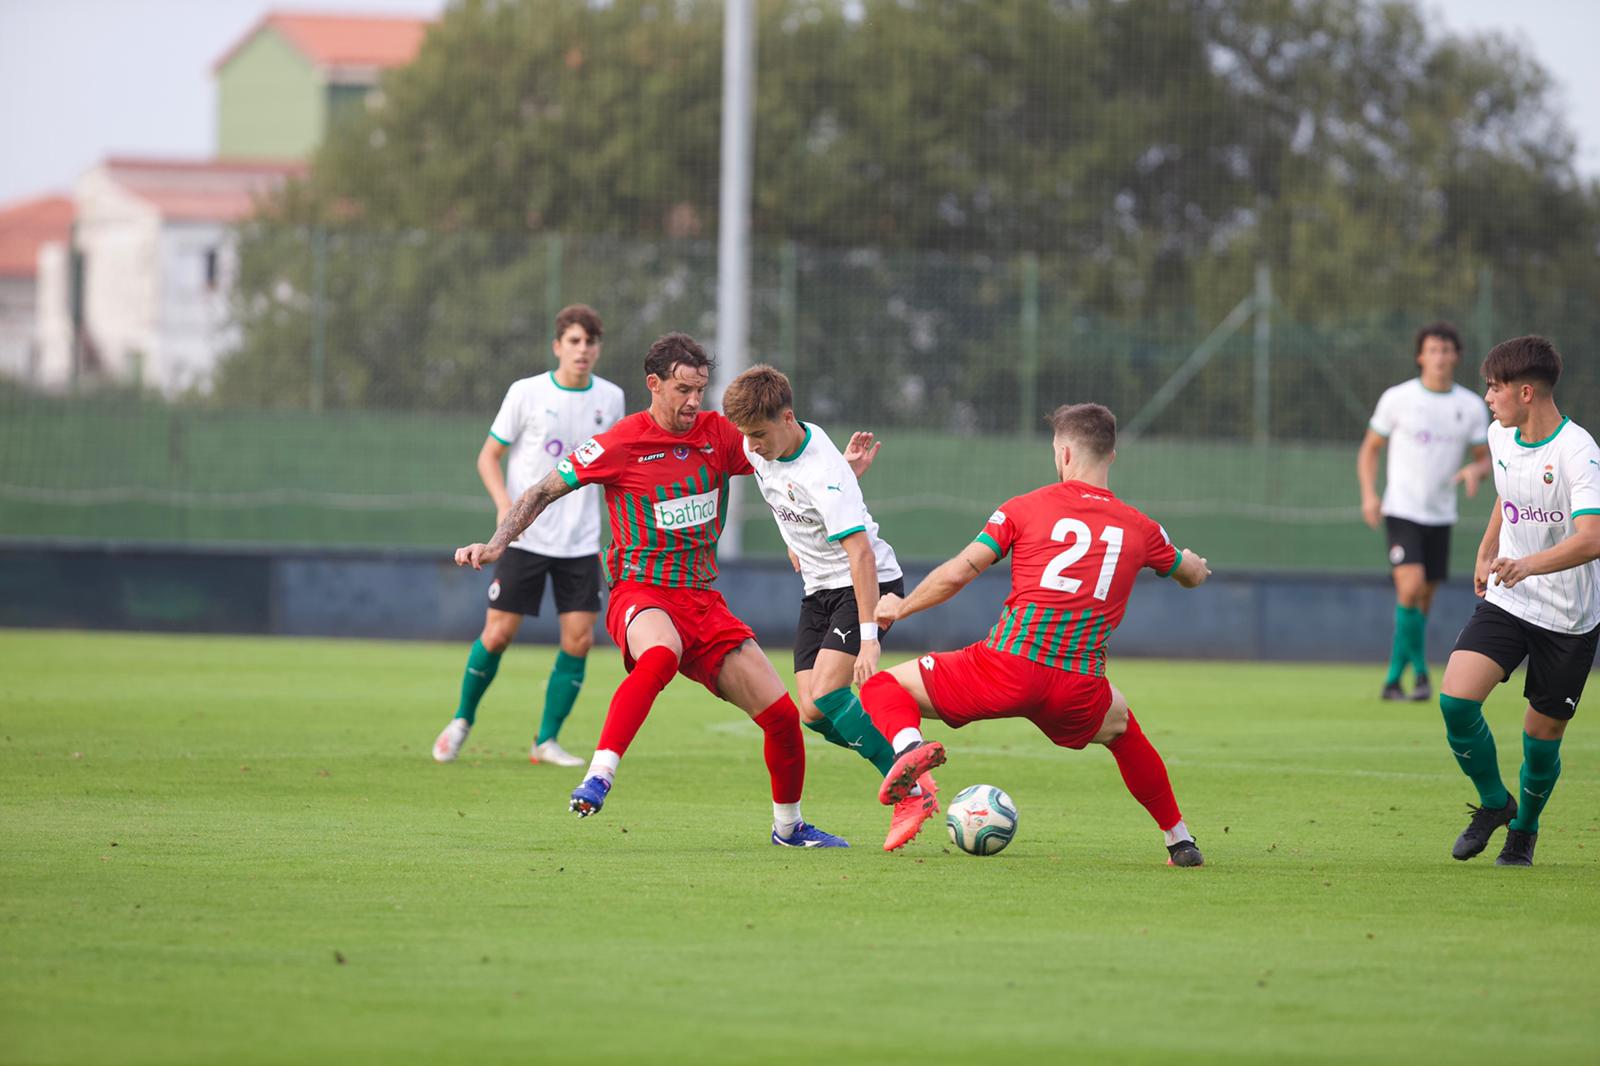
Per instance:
(424,596)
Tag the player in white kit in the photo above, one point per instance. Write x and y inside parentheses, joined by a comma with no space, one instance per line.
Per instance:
(1537,572)
(542,419)
(846,566)
(1427,423)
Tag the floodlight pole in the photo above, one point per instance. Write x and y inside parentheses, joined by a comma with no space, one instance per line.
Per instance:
(733,223)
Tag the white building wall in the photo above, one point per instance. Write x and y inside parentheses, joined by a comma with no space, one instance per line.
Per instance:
(197,268)
(119,237)
(54,317)
(18,310)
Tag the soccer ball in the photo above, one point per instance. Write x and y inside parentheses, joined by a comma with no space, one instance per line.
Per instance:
(981,820)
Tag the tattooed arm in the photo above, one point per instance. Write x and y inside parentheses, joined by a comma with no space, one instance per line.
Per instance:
(527,507)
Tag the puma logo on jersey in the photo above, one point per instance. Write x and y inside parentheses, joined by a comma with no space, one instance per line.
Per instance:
(834,488)
(844,634)
(1570,702)
(1501,463)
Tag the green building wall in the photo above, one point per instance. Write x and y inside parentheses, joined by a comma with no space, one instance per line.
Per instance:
(271,103)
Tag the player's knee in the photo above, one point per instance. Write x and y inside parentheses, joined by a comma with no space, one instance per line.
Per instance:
(809,712)
(1114,725)
(577,644)
(496,639)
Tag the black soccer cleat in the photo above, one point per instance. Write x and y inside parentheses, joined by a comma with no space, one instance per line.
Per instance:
(1184,853)
(1393,691)
(1485,820)
(1423,693)
(1518,849)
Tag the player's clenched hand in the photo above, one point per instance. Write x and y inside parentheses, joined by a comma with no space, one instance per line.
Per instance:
(1480,577)
(475,555)
(1509,571)
(861,450)
(888,612)
(867,660)
(1372,510)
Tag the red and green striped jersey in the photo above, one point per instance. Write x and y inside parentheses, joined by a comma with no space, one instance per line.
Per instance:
(1075,550)
(667,495)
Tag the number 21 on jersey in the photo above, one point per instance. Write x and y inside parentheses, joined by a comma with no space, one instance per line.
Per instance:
(1075,533)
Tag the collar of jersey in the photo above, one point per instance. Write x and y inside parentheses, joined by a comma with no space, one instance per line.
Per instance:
(1516,435)
(563,388)
(792,456)
(1447,390)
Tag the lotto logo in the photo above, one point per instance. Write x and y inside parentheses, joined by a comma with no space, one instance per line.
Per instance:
(926,661)
(588,451)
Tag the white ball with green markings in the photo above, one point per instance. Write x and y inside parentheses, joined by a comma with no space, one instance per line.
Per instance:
(981,820)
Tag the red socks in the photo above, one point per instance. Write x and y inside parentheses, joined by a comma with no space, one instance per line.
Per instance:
(785,749)
(631,703)
(889,705)
(1143,772)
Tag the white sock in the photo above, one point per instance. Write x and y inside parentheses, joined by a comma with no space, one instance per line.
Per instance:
(1177,833)
(604,765)
(905,738)
(785,817)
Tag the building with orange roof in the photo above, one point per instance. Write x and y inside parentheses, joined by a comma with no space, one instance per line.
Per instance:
(293,73)
(26,227)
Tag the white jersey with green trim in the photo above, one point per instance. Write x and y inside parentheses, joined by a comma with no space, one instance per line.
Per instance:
(817,502)
(1542,487)
(1428,434)
(541,421)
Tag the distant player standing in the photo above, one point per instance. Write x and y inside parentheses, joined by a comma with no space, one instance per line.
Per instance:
(666,472)
(541,419)
(1075,551)
(846,566)
(1539,577)
(1427,423)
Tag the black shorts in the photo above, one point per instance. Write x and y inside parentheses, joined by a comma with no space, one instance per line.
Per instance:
(1558,663)
(828,620)
(1413,542)
(518,584)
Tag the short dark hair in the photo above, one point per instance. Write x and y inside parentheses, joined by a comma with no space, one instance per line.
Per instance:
(760,394)
(673,350)
(1530,358)
(579,315)
(1089,425)
(1443,330)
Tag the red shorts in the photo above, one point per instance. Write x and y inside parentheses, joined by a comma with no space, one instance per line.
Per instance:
(709,630)
(978,683)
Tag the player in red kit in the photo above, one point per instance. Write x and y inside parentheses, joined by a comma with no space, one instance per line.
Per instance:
(1075,551)
(666,472)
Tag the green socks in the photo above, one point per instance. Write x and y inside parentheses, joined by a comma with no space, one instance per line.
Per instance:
(856,730)
(1473,746)
(1410,629)
(824,728)
(481,665)
(560,694)
(1541,765)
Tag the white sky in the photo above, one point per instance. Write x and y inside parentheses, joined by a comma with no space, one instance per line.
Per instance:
(81,79)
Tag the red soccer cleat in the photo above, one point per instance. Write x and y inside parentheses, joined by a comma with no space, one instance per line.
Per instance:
(911,765)
(911,812)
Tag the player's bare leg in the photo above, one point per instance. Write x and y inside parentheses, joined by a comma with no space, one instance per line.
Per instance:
(566,679)
(897,700)
(1145,775)
(499,627)
(1469,677)
(748,681)
(656,648)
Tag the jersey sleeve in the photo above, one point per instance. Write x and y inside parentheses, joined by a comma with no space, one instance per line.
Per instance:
(1000,532)
(836,494)
(507,425)
(1159,553)
(1386,414)
(1479,418)
(597,461)
(1583,475)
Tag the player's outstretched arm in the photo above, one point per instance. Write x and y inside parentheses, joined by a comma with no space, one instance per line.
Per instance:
(1583,546)
(945,581)
(1192,570)
(527,507)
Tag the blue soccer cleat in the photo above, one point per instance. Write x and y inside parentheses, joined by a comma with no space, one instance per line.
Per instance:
(590,796)
(804,836)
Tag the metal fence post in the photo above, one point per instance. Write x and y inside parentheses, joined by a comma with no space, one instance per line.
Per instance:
(1484,314)
(319,314)
(789,305)
(552,278)
(1263,354)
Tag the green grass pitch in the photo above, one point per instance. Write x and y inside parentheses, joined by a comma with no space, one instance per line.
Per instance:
(239,851)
